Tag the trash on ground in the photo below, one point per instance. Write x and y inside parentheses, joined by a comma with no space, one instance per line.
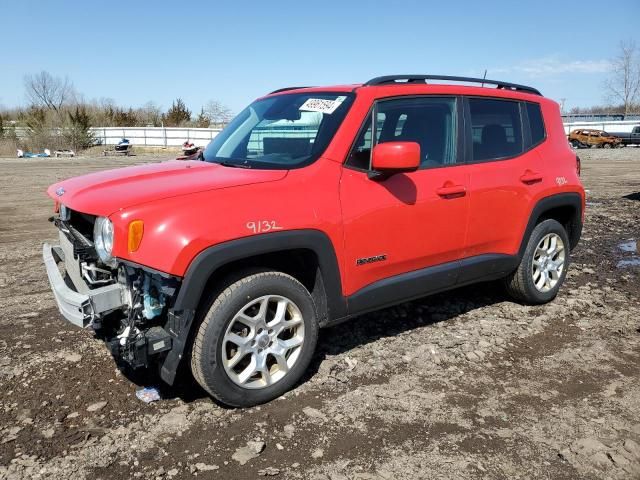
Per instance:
(148,394)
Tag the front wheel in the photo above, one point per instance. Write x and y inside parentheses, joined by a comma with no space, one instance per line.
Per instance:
(543,266)
(575,144)
(256,340)
(606,145)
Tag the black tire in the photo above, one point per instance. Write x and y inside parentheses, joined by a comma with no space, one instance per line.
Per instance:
(576,144)
(206,355)
(520,284)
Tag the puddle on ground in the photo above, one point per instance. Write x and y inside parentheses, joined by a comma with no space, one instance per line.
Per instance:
(629,262)
(592,204)
(630,246)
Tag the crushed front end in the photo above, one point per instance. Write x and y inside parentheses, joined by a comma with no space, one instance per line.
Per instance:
(128,305)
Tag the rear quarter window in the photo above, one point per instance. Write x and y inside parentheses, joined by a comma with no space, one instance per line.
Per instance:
(536,123)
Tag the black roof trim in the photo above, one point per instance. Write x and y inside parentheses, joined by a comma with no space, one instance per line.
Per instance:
(286,89)
(404,79)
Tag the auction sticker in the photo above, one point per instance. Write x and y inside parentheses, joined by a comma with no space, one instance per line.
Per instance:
(322,105)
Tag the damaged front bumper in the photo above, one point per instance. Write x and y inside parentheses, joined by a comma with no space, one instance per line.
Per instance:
(129,306)
(81,309)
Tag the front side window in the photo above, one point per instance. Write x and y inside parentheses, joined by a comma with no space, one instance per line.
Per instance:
(280,132)
(496,129)
(429,122)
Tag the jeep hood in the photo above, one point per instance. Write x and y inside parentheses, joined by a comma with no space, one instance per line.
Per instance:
(104,193)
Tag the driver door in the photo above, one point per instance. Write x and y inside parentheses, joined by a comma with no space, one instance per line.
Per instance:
(410,221)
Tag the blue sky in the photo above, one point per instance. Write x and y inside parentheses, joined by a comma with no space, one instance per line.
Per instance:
(139,51)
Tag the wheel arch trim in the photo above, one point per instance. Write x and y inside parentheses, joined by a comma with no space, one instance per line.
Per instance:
(207,262)
(572,200)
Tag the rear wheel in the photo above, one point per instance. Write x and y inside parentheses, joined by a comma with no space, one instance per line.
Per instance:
(543,266)
(575,143)
(606,145)
(256,340)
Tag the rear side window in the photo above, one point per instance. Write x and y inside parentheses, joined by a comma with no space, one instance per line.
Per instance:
(536,123)
(496,129)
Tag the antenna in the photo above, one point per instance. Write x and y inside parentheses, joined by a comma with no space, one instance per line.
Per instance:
(484,77)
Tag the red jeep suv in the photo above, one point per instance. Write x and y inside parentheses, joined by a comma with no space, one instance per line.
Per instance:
(312,206)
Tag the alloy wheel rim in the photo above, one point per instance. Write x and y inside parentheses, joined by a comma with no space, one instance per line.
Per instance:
(263,342)
(548,262)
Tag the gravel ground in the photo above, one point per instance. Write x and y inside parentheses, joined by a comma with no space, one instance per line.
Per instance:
(460,385)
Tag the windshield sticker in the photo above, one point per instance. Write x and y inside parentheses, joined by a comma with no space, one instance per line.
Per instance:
(322,105)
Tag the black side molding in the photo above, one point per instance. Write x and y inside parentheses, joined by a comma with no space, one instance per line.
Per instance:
(427,281)
(401,288)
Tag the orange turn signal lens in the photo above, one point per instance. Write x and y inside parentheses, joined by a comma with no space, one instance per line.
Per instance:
(136,230)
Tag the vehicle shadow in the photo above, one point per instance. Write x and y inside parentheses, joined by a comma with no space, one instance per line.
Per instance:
(353,333)
(401,187)
(401,318)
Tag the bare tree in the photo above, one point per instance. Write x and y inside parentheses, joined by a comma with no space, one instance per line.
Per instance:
(151,114)
(217,112)
(624,84)
(47,91)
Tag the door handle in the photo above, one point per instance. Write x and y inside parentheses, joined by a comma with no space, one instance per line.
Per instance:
(531,177)
(451,191)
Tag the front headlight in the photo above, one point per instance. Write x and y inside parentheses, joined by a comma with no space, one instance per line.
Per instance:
(103,238)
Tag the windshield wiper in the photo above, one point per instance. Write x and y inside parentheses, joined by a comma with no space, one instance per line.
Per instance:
(234,165)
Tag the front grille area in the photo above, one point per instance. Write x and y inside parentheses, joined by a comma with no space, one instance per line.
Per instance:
(79,231)
(83,223)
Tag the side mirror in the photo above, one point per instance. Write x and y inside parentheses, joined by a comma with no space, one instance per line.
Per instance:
(395,157)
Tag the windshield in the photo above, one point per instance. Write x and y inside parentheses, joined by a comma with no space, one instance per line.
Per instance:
(280,132)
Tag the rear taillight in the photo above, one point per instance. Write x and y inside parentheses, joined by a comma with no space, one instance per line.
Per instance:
(578,165)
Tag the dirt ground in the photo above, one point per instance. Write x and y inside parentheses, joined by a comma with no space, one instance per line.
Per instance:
(460,385)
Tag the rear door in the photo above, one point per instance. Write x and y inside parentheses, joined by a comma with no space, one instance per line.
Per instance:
(506,175)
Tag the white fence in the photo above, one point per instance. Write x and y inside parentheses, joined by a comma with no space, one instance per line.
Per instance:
(174,137)
(155,136)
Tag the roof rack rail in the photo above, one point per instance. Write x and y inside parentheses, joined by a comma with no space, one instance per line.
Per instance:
(401,79)
(287,88)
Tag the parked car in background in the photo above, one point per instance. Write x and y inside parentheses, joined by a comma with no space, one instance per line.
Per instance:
(587,138)
(629,138)
(315,205)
